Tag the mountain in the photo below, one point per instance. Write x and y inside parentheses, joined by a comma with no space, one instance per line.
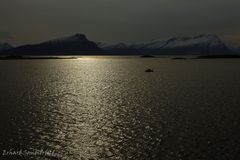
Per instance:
(5,46)
(78,44)
(237,50)
(75,44)
(117,48)
(198,45)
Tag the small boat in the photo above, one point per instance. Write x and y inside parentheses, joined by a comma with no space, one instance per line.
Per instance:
(149,70)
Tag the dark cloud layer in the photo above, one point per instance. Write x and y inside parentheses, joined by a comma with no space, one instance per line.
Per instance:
(115,20)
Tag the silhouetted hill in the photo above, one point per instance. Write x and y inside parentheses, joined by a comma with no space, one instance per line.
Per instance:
(199,45)
(78,44)
(73,45)
(5,46)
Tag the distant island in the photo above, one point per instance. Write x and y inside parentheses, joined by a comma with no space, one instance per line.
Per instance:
(219,56)
(147,56)
(78,44)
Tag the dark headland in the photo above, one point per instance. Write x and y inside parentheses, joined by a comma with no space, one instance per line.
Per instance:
(34,57)
(218,56)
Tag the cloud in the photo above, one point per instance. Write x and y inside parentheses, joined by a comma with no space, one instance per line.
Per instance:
(5,35)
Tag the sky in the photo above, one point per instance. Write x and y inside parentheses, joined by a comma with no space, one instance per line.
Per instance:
(32,21)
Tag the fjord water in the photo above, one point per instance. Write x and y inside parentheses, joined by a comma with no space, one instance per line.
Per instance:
(110,108)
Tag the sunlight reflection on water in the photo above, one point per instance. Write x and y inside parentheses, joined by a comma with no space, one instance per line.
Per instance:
(103,108)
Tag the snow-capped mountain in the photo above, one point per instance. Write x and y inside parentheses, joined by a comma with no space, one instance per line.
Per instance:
(5,46)
(202,40)
(202,44)
(75,44)
(109,46)
(78,44)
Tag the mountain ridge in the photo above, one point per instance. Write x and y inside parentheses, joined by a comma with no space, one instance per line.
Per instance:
(5,46)
(78,44)
(70,45)
(202,44)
